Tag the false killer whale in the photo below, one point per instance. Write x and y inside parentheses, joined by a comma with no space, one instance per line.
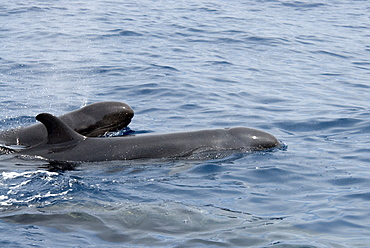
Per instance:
(63,144)
(92,120)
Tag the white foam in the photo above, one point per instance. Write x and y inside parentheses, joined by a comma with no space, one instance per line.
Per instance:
(13,174)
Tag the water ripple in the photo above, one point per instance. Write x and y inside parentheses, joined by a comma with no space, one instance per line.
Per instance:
(120,32)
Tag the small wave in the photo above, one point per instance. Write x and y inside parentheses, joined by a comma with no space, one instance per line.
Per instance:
(362,65)
(26,10)
(221,62)
(121,32)
(110,70)
(165,67)
(27,174)
(318,124)
(302,5)
(331,54)
(267,41)
(8,201)
(229,40)
(19,186)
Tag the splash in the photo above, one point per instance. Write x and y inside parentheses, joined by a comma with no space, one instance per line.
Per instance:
(16,190)
(27,174)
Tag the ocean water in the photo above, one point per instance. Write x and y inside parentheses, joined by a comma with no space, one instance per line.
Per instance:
(299,70)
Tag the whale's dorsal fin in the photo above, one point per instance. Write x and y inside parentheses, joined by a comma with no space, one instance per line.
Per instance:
(58,131)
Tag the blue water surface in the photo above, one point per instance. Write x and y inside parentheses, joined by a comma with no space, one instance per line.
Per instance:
(299,70)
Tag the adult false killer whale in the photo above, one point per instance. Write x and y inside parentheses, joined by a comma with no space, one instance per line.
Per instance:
(92,120)
(63,144)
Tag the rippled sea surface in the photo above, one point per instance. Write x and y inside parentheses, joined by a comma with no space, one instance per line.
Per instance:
(299,70)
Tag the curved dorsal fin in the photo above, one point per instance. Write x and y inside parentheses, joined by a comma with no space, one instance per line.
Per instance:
(58,131)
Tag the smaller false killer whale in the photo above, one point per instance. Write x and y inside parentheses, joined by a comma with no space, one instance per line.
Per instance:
(92,120)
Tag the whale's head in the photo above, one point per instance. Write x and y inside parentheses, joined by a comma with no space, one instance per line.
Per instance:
(255,139)
(98,118)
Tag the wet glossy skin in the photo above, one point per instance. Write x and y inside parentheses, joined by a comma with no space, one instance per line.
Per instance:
(92,120)
(64,144)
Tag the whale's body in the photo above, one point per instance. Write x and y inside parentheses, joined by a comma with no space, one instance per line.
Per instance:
(64,144)
(92,120)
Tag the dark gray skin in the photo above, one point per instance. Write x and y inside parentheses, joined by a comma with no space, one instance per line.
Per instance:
(92,120)
(65,145)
